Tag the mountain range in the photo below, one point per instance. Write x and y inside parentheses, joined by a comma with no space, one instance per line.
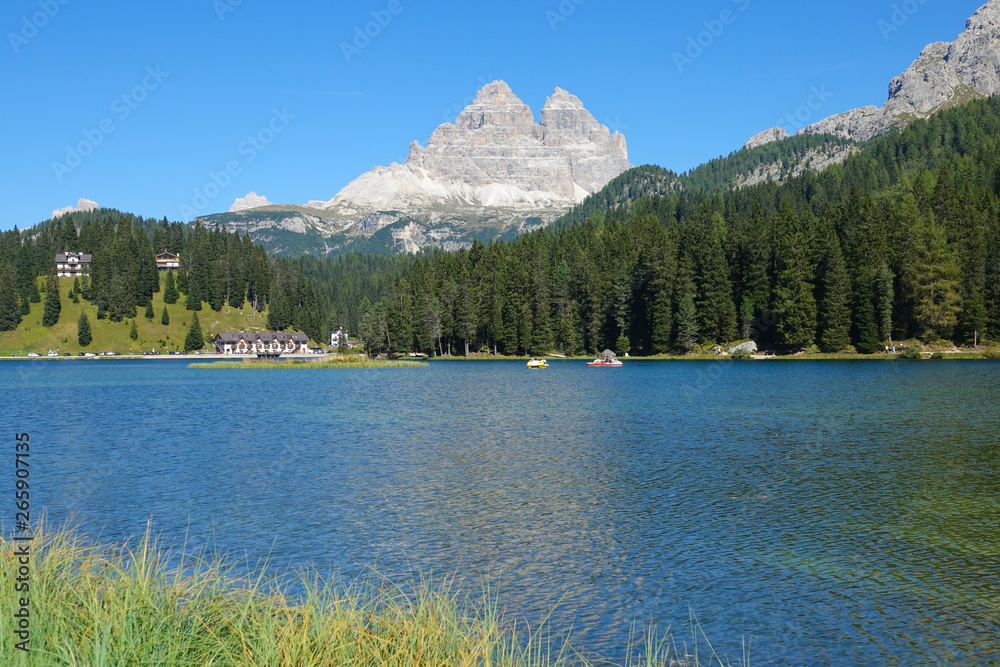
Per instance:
(495,173)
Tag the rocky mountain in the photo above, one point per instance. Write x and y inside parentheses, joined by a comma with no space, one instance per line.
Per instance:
(945,75)
(252,200)
(81,205)
(494,171)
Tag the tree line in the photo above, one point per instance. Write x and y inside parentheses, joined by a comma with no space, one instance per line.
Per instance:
(218,268)
(901,241)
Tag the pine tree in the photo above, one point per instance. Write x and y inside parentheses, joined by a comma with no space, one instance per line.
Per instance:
(150,314)
(170,295)
(83,335)
(795,303)
(165,319)
(194,340)
(133,331)
(937,284)
(10,305)
(687,323)
(835,300)
(663,322)
(53,302)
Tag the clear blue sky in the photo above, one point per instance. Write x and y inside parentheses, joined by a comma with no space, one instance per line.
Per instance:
(225,66)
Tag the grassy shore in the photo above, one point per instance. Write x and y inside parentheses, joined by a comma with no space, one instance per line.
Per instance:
(108,336)
(138,604)
(350,362)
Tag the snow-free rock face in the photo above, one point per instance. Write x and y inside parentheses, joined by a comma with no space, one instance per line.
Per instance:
(492,172)
(766,137)
(495,155)
(81,205)
(945,74)
(252,200)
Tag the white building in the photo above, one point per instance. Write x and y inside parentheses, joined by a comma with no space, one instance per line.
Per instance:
(337,336)
(73,264)
(261,343)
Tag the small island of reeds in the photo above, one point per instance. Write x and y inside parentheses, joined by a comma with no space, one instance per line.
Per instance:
(321,364)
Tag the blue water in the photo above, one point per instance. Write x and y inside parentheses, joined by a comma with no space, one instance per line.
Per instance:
(825,513)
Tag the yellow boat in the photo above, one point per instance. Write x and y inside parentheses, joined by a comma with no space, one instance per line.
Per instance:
(538,363)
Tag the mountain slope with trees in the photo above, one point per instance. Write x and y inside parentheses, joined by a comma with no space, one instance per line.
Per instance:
(218,270)
(901,240)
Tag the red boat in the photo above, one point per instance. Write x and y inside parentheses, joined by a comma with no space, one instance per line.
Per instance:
(609,360)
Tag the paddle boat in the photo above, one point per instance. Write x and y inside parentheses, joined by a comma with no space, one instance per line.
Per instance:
(537,364)
(608,360)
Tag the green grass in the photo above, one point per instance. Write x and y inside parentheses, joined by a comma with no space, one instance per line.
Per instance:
(109,336)
(253,364)
(140,604)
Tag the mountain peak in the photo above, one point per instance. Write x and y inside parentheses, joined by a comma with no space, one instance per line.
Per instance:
(252,200)
(944,75)
(562,99)
(497,94)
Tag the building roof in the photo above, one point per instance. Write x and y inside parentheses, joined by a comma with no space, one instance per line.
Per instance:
(167,255)
(265,338)
(63,257)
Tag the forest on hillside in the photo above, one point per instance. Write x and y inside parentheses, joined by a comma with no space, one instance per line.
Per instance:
(217,268)
(901,241)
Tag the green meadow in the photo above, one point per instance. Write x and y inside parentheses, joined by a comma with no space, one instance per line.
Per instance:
(110,336)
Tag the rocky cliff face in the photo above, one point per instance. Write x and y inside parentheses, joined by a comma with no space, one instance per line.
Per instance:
(495,155)
(946,74)
(252,200)
(493,171)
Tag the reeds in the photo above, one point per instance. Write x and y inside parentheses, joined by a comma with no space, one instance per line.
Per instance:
(141,604)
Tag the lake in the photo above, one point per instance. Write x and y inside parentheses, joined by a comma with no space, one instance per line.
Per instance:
(837,513)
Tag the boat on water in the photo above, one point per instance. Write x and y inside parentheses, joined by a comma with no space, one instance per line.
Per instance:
(607,360)
(535,364)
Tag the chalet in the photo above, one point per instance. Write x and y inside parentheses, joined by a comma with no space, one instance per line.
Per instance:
(73,264)
(166,261)
(261,343)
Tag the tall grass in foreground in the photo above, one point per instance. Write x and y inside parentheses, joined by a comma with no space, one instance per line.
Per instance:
(100,606)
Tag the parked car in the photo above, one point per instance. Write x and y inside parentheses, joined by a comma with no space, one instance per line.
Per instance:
(34,355)
(90,354)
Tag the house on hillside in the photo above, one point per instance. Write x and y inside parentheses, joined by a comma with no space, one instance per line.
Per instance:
(261,343)
(166,261)
(73,264)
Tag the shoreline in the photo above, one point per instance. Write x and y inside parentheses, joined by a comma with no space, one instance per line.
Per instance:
(139,602)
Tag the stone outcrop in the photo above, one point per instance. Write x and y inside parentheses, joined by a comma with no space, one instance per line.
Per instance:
(251,201)
(945,75)
(495,155)
(766,137)
(81,205)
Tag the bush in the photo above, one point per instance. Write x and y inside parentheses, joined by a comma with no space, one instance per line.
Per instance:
(937,356)
(992,353)
(913,353)
(741,355)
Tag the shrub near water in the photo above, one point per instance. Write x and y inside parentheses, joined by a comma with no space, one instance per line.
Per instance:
(111,606)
